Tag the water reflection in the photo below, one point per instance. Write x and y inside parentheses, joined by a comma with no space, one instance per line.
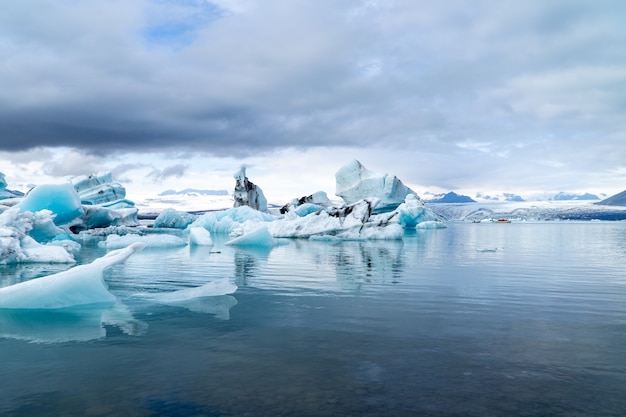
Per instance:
(70,324)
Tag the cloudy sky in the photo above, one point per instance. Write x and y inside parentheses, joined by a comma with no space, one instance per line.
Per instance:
(487,95)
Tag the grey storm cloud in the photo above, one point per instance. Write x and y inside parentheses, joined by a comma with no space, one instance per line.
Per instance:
(234,78)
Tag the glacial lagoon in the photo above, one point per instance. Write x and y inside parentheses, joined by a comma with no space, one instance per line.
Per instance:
(519,319)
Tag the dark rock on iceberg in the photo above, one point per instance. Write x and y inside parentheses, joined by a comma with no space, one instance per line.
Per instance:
(247,193)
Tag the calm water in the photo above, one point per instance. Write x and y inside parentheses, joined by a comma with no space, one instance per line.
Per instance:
(474,320)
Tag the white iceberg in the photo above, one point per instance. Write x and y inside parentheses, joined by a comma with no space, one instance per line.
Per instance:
(154,241)
(81,285)
(174,219)
(413,213)
(98,189)
(227,221)
(354,182)
(104,202)
(17,244)
(199,236)
(353,222)
(431,224)
(259,237)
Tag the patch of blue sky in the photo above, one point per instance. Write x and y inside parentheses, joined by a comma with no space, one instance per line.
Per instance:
(175,23)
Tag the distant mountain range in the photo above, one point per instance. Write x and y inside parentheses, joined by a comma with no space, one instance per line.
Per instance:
(618,199)
(562,196)
(453,197)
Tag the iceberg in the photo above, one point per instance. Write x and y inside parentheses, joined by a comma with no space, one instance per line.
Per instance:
(199,236)
(354,182)
(100,216)
(260,237)
(318,199)
(104,202)
(155,241)
(353,222)
(98,189)
(227,221)
(81,285)
(413,212)
(431,224)
(17,238)
(174,219)
(61,199)
(248,194)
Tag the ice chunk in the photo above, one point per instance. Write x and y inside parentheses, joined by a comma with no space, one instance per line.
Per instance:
(61,199)
(17,246)
(353,222)
(260,237)
(150,241)
(431,224)
(81,285)
(354,182)
(210,289)
(199,236)
(100,216)
(413,211)
(37,253)
(226,221)
(316,199)
(173,219)
(248,194)
(98,188)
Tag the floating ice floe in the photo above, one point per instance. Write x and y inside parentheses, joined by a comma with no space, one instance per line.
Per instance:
(210,298)
(354,182)
(259,237)
(81,285)
(153,241)
(210,289)
(431,225)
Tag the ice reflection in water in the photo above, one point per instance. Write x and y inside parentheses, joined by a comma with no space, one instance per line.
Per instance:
(69,324)
(426,326)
